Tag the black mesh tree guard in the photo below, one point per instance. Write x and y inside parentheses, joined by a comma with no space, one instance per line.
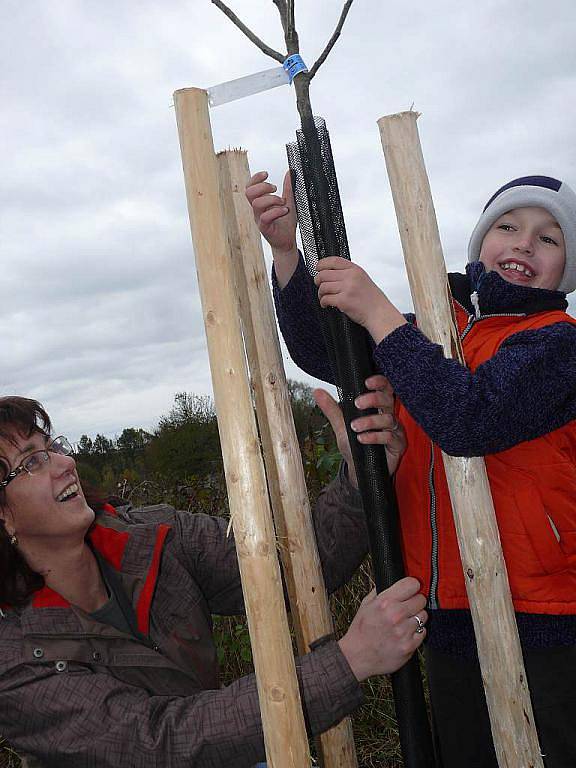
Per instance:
(323,233)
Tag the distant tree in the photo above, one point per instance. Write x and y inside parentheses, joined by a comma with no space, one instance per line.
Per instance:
(109,481)
(88,473)
(102,445)
(189,408)
(96,454)
(303,405)
(186,442)
(85,446)
(132,442)
(184,449)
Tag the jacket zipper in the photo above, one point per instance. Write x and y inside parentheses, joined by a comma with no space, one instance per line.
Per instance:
(433,591)
(433,603)
(473,320)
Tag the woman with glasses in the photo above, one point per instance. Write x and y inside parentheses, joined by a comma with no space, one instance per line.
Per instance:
(106,650)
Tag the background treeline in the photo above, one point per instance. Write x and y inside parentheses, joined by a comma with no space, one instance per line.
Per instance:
(180,462)
(182,455)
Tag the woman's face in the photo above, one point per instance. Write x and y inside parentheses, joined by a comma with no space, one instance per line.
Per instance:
(37,508)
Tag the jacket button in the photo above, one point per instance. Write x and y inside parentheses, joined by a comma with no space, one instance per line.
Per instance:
(61,666)
(38,653)
(97,656)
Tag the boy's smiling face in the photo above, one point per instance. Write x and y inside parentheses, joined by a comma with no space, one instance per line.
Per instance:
(526,246)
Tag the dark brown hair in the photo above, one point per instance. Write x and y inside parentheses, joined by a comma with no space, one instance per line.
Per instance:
(18,582)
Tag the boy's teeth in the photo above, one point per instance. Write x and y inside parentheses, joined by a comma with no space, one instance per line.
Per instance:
(72,489)
(518,268)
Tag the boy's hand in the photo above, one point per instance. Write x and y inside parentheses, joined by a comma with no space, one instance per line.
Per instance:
(383,634)
(379,428)
(275,216)
(347,287)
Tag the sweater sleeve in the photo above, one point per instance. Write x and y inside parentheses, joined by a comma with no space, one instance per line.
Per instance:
(86,718)
(298,317)
(298,314)
(525,391)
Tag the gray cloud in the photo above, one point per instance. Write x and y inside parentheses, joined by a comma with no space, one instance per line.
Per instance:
(100,315)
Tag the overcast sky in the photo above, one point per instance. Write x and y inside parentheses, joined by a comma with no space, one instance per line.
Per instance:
(99,310)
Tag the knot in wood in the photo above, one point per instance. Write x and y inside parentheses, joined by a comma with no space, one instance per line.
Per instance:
(277,694)
(210,318)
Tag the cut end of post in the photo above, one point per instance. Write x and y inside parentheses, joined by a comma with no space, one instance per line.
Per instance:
(182,91)
(231,151)
(400,115)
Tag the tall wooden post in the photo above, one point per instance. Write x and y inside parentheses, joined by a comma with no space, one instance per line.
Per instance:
(290,504)
(507,694)
(283,721)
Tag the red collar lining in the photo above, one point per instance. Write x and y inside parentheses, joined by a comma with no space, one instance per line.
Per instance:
(111,544)
(145,599)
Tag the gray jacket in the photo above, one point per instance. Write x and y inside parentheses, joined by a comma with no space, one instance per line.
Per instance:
(75,693)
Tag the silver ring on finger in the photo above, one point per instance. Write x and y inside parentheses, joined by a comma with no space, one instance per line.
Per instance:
(395,425)
(420,623)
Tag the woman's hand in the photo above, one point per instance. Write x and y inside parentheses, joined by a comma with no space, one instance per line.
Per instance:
(380,428)
(275,217)
(346,286)
(385,632)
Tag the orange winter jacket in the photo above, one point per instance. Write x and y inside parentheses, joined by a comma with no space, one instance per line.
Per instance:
(534,490)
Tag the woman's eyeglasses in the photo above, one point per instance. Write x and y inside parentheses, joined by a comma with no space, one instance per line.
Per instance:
(35,462)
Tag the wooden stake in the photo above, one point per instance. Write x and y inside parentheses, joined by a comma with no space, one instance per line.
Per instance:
(507,694)
(290,504)
(282,718)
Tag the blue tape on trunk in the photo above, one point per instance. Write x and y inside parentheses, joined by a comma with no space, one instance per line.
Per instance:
(294,65)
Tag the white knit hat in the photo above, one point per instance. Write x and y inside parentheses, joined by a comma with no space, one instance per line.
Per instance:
(539,191)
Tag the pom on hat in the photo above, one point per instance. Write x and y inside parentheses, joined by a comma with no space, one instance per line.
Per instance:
(533,191)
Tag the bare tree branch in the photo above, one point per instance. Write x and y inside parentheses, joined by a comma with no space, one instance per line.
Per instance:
(292,43)
(248,32)
(286,11)
(290,15)
(332,40)
(281,5)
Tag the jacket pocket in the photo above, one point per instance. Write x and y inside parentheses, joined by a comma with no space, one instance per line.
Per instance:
(541,530)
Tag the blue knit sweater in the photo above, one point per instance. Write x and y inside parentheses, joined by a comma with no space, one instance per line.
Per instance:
(526,390)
